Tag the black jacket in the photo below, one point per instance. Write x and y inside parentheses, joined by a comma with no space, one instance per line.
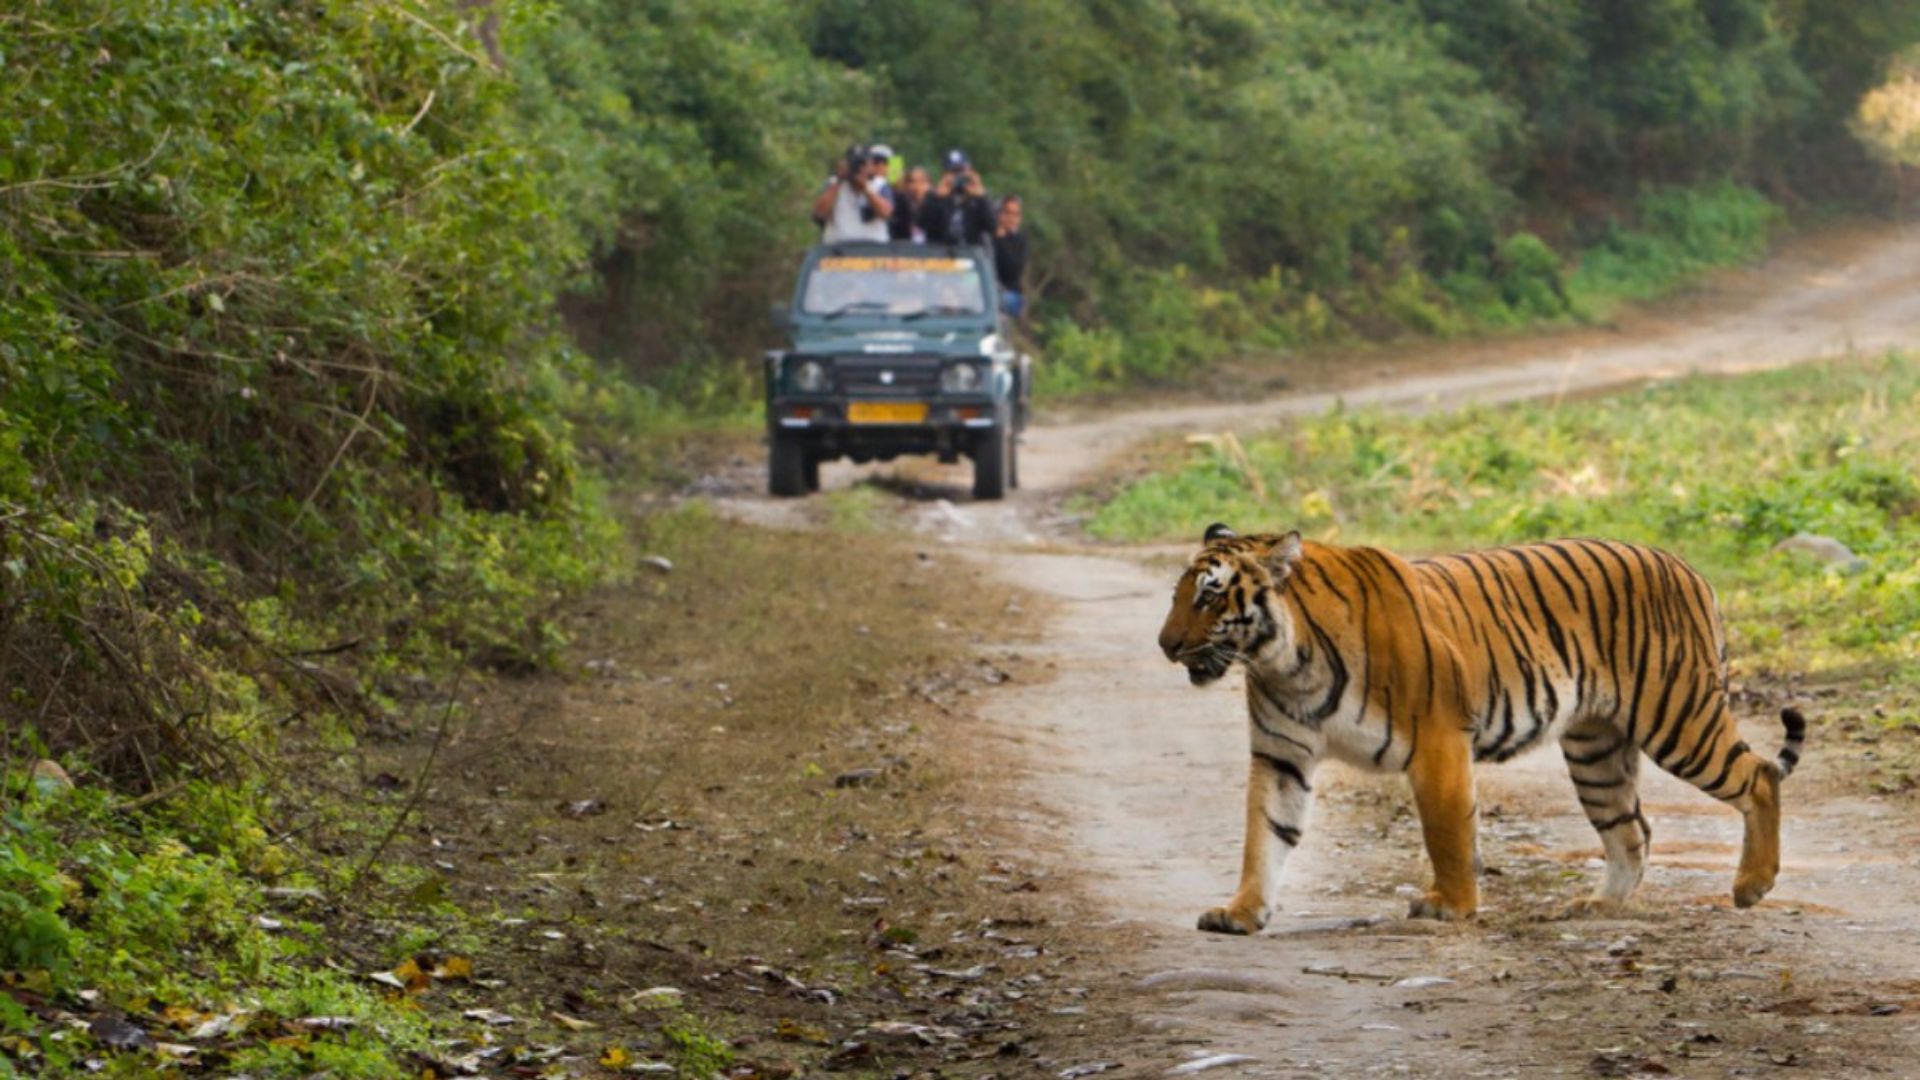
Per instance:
(1010,260)
(906,216)
(976,219)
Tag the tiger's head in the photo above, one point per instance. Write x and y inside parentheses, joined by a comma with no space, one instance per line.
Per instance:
(1226,606)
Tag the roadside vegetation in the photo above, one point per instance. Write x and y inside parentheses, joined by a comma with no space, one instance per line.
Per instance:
(282,427)
(1720,470)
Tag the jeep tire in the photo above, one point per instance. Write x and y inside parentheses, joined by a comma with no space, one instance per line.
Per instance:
(992,461)
(786,467)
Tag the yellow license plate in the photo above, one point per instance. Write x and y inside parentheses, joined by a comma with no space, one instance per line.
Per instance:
(887,412)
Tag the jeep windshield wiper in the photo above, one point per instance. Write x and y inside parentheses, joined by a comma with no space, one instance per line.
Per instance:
(938,309)
(857,305)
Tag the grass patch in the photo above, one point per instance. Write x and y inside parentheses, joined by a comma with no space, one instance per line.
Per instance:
(158,927)
(1717,469)
(1679,234)
(665,431)
(859,508)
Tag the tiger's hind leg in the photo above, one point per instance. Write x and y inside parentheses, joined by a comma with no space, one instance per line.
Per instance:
(1710,755)
(1443,792)
(1605,767)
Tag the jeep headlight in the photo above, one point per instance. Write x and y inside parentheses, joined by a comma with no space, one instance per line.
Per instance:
(810,377)
(960,379)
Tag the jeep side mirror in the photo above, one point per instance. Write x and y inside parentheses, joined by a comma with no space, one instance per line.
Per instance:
(782,316)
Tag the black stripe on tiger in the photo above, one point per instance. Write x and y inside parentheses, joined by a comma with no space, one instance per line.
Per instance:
(1287,769)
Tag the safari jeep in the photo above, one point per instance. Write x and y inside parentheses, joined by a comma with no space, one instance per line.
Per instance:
(895,349)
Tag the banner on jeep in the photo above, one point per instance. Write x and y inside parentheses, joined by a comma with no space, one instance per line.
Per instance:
(894,286)
(871,263)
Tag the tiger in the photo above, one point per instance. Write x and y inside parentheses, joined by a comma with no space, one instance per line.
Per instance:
(1428,665)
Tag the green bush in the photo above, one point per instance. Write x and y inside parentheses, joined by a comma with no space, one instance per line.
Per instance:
(276,319)
(1530,279)
(1680,232)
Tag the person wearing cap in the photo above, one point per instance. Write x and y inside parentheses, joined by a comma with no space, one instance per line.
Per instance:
(855,203)
(959,212)
(885,156)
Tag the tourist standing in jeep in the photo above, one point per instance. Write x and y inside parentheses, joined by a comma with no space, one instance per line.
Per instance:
(855,203)
(959,204)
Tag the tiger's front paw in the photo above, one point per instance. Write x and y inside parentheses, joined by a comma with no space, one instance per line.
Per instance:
(1749,890)
(1435,906)
(1233,920)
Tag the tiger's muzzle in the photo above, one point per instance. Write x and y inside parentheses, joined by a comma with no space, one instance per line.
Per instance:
(1204,665)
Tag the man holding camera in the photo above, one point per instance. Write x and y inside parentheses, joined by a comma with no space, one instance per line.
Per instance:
(957,209)
(856,202)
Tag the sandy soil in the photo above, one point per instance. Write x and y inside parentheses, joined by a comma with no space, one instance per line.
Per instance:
(1140,778)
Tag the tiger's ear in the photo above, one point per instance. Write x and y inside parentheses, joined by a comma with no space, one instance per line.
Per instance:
(1284,556)
(1218,531)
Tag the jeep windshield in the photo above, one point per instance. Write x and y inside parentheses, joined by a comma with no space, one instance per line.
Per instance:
(894,286)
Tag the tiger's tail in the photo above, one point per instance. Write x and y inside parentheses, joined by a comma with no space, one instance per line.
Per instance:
(1796,726)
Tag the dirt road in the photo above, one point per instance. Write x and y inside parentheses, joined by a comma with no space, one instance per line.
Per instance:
(1142,778)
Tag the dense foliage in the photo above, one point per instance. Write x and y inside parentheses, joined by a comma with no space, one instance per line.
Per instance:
(683,139)
(278,360)
(1194,168)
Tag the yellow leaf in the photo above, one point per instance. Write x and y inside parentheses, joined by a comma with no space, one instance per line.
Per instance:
(797,1032)
(182,1017)
(454,967)
(572,1023)
(616,1057)
(411,977)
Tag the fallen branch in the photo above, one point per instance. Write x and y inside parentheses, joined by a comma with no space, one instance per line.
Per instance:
(419,786)
(93,181)
(151,797)
(421,115)
(1343,973)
